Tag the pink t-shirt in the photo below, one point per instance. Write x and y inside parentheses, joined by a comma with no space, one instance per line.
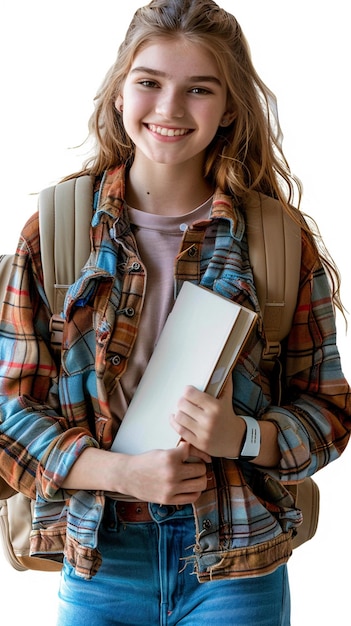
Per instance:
(158,239)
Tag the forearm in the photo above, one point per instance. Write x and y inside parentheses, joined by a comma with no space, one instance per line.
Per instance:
(96,469)
(168,476)
(26,433)
(269,455)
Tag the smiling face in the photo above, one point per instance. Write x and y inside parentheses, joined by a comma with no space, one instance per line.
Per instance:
(174,99)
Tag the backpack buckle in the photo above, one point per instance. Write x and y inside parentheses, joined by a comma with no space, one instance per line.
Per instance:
(271,351)
(56,331)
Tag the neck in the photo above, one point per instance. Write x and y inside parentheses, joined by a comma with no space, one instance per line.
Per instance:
(166,190)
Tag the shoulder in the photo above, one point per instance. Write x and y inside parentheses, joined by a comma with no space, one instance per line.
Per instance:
(29,242)
(30,230)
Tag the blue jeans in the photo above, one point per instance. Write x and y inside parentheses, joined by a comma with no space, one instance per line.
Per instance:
(146,579)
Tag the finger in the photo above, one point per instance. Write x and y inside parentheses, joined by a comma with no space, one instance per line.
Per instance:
(194,396)
(180,422)
(199,454)
(189,407)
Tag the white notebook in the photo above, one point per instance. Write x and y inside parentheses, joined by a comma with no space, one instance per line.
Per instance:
(199,345)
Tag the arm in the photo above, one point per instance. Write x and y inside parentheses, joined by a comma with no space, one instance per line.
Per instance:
(166,476)
(39,448)
(29,426)
(314,420)
(312,426)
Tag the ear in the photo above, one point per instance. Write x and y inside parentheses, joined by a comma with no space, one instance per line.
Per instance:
(227,118)
(119,103)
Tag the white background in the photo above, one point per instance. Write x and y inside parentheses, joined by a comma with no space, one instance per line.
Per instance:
(54,56)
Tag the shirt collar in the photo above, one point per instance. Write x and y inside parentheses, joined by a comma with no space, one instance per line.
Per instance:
(112,195)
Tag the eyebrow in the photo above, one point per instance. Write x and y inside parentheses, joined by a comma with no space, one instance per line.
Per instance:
(197,79)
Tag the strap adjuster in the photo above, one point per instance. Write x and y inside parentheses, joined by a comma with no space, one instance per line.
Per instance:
(56,331)
(272,350)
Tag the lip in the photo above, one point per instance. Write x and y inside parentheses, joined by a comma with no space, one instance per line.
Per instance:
(169,132)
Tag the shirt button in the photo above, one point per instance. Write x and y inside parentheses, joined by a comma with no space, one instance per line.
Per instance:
(135,266)
(192,251)
(129,311)
(115,359)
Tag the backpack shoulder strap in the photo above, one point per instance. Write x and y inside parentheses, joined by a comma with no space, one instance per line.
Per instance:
(274,241)
(65,212)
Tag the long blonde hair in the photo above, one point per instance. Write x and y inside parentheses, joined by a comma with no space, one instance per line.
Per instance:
(247,155)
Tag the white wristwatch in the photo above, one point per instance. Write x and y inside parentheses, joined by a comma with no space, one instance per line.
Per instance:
(252,442)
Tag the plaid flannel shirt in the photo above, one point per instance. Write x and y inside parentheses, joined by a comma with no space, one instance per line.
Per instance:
(49,414)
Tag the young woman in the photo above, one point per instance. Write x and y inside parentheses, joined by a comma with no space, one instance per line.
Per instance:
(199,534)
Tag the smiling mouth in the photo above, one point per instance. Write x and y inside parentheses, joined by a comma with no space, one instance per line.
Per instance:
(168,132)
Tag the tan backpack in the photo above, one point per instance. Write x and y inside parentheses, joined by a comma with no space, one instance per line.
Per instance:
(65,211)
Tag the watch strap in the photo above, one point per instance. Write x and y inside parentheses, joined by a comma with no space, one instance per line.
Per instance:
(252,441)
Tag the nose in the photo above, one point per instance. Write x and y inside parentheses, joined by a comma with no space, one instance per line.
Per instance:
(170,104)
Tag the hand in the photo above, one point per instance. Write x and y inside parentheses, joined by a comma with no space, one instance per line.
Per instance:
(210,424)
(176,476)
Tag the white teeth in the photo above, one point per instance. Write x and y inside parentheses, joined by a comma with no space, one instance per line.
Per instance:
(167,132)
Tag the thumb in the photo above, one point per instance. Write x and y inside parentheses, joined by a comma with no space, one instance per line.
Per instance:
(190,454)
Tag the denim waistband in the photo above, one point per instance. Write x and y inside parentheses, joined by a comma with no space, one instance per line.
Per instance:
(158,513)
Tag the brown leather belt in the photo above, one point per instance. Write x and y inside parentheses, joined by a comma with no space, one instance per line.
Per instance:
(133,511)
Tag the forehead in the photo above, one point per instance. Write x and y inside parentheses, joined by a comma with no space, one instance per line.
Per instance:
(176,56)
